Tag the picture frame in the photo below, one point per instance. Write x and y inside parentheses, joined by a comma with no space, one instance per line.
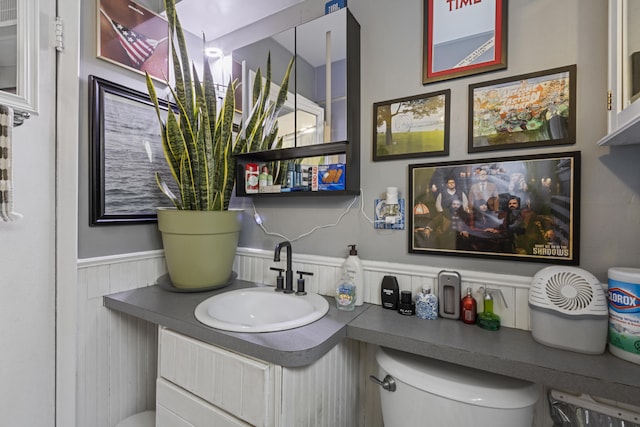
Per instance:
(527,209)
(463,38)
(125,153)
(133,37)
(414,126)
(530,110)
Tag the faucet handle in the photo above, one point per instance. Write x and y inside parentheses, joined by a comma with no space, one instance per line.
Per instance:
(301,290)
(279,279)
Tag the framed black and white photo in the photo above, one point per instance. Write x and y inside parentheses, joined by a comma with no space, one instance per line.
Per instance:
(516,208)
(126,152)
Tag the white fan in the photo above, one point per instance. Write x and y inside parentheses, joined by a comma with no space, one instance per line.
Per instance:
(569,290)
(568,309)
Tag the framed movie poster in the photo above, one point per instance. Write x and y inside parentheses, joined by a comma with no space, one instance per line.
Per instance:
(415,126)
(133,37)
(517,208)
(462,38)
(126,152)
(530,110)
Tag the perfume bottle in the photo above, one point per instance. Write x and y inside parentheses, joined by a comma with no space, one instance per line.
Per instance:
(406,305)
(468,308)
(426,305)
(346,293)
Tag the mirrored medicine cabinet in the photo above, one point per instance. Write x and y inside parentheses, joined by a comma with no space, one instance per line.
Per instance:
(19,59)
(320,120)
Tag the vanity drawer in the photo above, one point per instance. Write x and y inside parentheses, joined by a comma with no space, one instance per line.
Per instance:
(178,408)
(239,385)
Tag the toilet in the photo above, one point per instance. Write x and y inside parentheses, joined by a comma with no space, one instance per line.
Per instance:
(431,392)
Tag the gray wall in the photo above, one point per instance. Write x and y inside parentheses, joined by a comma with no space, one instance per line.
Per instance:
(543,34)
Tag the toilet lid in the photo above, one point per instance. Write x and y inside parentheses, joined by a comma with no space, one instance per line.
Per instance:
(456,382)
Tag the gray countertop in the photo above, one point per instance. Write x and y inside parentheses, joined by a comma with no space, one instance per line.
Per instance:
(294,347)
(510,352)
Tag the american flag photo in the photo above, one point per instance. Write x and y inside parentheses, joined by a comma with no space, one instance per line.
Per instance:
(133,37)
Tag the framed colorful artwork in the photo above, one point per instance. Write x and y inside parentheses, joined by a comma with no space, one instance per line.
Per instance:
(517,208)
(416,126)
(462,38)
(133,37)
(530,110)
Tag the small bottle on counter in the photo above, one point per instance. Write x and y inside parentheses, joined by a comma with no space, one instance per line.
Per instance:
(426,304)
(406,305)
(468,308)
(389,292)
(353,265)
(488,319)
(346,293)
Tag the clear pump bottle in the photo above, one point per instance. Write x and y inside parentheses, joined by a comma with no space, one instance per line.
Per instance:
(346,293)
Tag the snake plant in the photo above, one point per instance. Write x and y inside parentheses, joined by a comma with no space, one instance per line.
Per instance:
(198,141)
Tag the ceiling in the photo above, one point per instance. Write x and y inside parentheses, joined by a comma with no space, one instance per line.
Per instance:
(219,17)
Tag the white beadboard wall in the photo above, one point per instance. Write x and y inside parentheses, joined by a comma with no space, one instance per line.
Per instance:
(117,353)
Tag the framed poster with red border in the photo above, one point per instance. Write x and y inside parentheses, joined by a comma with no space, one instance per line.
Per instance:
(462,38)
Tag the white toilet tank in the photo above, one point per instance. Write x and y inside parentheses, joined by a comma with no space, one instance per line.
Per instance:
(430,392)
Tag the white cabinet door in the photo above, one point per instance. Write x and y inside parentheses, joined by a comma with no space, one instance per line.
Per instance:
(237,384)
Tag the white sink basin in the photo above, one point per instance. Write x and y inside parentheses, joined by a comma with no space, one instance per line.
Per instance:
(260,310)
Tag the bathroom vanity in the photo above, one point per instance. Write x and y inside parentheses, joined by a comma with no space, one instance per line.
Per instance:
(210,377)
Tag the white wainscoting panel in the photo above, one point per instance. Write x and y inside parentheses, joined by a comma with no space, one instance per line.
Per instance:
(117,354)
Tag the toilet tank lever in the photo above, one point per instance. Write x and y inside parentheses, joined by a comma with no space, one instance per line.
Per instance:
(388,383)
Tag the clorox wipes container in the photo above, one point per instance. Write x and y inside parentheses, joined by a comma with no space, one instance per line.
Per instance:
(624,313)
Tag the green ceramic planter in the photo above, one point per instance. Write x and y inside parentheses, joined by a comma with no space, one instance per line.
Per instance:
(199,246)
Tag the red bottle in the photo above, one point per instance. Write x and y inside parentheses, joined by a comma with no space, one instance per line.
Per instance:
(468,308)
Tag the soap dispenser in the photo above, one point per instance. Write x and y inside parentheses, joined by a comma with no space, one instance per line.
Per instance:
(353,265)
(346,293)
(488,319)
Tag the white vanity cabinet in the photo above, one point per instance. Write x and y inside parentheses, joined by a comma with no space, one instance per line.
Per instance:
(203,385)
(623,119)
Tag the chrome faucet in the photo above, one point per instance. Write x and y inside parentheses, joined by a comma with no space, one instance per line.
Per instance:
(288,280)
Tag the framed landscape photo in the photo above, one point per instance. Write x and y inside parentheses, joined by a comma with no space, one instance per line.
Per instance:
(133,37)
(516,208)
(416,126)
(126,152)
(530,110)
(462,38)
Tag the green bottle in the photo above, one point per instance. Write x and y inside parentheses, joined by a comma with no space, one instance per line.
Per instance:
(488,319)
